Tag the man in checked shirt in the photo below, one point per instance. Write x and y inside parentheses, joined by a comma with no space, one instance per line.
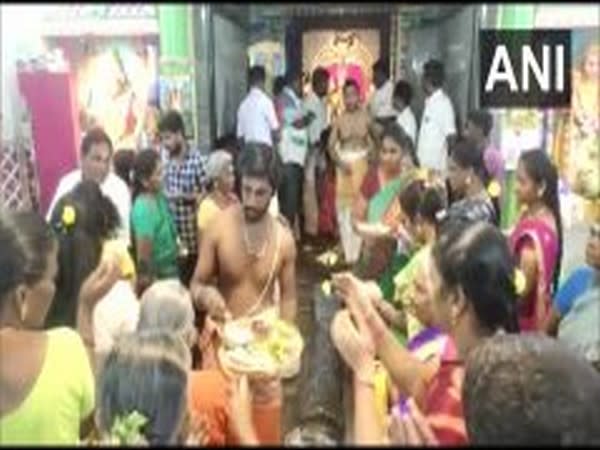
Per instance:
(184,183)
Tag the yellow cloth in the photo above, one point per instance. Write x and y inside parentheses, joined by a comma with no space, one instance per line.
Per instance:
(382,395)
(61,398)
(348,186)
(206,212)
(119,248)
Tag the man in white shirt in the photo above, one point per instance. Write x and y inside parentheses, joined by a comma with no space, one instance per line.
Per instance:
(405,118)
(380,106)
(438,121)
(256,117)
(317,104)
(293,147)
(96,155)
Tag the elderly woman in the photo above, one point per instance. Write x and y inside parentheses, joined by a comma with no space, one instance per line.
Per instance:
(167,306)
(146,372)
(469,309)
(221,186)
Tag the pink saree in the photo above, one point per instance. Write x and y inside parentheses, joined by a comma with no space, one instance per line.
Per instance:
(534,310)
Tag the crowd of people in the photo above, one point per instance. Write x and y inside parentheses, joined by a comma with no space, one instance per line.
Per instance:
(451,330)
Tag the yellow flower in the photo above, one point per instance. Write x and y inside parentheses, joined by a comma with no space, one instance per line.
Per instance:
(68,216)
(333,259)
(326,287)
(494,189)
(520,282)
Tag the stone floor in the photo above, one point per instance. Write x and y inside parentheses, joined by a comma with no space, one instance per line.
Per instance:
(308,273)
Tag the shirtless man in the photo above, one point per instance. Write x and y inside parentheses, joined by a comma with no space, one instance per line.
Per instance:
(351,143)
(244,254)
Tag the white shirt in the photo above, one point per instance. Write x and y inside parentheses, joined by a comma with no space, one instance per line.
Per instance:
(381,105)
(294,141)
(406,119)
(256,118)
(437,124)
(112,187)
(318,107)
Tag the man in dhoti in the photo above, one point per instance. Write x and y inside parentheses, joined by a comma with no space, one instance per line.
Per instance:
(246,256)
(351,144)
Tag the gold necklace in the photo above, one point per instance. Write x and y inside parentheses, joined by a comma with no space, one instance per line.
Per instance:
(249,247)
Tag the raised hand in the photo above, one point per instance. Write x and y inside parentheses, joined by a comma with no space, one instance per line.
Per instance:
(356,295)
(359,297)
(198,434)
(355,345)
(411,428)
(211,300)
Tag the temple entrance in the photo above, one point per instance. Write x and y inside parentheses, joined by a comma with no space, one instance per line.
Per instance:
(346,47)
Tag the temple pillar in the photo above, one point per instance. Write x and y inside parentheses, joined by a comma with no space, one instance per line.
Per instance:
(177,64)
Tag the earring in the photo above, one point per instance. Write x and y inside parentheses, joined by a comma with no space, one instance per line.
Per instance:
(453,321)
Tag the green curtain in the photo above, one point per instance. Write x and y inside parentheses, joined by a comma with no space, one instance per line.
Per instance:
(513,16)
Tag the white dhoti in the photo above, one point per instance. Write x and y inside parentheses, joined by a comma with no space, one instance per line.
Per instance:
(347,189)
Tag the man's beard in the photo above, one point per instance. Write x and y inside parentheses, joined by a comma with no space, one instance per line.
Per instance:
(252,215)
(176,149)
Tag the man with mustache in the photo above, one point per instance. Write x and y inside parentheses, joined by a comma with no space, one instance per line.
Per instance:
(247,264)
(184,181)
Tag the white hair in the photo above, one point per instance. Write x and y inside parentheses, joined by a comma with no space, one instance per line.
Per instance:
(217,163)
(167,305)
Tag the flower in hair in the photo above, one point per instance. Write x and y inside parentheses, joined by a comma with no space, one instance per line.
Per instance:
(422,174)
(441,215)
(127,429)
(520,281)
(69,216)
(494,189)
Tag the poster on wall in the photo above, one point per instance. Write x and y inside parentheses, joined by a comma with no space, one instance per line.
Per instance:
(347,54)
(576,131)
(270,55)
(114,87)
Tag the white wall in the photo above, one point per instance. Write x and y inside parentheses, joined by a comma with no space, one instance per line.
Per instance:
(20,39)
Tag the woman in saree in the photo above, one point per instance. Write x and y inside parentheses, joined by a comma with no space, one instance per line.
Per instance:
(378,203)
(536,241)
(406,312)
(469,309)
(421,203)
(350,146)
